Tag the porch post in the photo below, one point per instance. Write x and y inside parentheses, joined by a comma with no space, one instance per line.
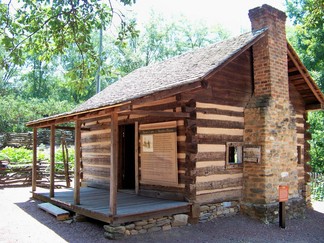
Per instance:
(77,162)
(136,158)
(113,163)
(52,160)
(34,170)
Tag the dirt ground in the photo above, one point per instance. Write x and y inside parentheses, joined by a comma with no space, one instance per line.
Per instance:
(22,221)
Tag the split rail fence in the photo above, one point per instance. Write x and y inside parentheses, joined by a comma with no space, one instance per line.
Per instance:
(14,175)
(26,139)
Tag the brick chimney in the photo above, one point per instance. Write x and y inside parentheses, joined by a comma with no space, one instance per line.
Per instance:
(270,59)
(270,122)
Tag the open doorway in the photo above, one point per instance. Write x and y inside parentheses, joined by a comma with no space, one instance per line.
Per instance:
(126,170)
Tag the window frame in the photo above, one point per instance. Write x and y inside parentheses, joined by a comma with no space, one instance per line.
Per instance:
(299,155)
(229,164)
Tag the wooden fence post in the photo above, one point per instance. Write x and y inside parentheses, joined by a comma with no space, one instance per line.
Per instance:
(65,155)
(34,169)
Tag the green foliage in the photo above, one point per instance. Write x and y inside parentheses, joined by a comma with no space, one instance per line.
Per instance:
(3,156)
(317,191)
(46,29)
(56,71)
(308,16)
(317,186)
(16,111)
(316,120)
(19,155)
(161,39)
(308,40)
(25,156)
(59,154)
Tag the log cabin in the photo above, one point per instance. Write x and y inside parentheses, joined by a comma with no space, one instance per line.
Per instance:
(213,131)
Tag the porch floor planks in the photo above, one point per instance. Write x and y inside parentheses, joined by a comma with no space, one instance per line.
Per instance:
(96,201)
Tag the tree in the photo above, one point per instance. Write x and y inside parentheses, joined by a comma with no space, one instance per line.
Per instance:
(45,29)
(317,143)
(161,39)
(308,40)
(38,83)
(16,111)
(308,18)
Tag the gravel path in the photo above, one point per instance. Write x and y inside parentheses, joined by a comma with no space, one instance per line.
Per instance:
(22,221)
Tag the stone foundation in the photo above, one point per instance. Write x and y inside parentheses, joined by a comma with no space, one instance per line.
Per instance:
(145,226)
(211,211)
(269,213)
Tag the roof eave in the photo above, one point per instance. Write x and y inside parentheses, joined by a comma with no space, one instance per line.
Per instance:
(308,79)
(107,109)
(235,55)
(73,116)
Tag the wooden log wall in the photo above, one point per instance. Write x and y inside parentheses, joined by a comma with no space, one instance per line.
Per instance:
(214,181)
(95,151)
(220,119)
(216,117)
(302,145)
(95,147)
(171,104)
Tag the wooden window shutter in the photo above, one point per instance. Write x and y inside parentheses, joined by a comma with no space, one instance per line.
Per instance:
(252,154)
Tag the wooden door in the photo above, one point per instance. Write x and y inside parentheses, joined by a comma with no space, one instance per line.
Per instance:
(126,174)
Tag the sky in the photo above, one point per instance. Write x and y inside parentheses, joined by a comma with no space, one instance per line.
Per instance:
(231,14)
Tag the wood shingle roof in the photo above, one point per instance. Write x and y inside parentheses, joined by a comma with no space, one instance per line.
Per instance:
(184,69)
(176,72)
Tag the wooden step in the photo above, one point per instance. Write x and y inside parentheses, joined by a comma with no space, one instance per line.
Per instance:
(59,213)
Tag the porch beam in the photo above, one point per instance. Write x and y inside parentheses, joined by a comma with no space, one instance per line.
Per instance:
(157,113)
(52,160)
(113,164)
(81,115)
(34,170)
(70,128)
(77,164)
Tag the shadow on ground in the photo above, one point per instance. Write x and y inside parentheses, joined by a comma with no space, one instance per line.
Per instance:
(88,231)
(231,229)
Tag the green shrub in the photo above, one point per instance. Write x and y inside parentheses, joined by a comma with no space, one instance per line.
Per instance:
(59,154)
(19,155)
(59,158)
(3,156)
(317,186)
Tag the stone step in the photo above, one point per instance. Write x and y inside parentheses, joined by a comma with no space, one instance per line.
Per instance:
(59,213)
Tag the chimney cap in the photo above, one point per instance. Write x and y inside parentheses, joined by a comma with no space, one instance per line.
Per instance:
(266,10)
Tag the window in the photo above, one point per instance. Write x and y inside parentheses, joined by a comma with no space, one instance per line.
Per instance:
(299,154)
(234,154)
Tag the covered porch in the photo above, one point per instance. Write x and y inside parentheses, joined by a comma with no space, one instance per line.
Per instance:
(94,203)
(98,155)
